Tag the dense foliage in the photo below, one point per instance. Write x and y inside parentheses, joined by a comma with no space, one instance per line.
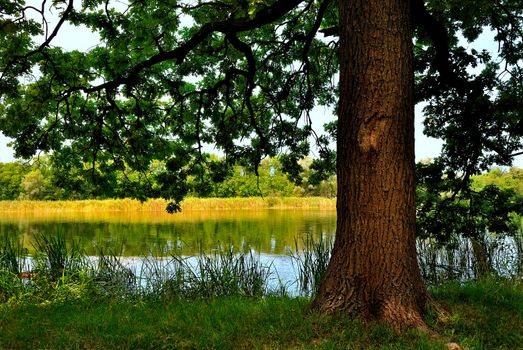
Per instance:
(11,176)
(169,110)
(488,205)
(169,77)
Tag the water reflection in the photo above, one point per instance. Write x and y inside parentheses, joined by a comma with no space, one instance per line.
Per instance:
(269,231)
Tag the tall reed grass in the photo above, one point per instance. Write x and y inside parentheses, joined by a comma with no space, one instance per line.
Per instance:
(12,255)
(225,272)
(54,257)
(110,275)
(168,275)
(460,261)
(311,262)
(159,205)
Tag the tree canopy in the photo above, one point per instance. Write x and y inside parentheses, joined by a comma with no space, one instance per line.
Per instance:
(169,77)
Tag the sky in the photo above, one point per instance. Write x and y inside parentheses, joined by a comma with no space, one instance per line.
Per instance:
(78,38)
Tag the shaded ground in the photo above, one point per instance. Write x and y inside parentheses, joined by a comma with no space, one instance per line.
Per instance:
(486,315)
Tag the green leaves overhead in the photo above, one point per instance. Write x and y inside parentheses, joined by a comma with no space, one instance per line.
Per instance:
(473,95)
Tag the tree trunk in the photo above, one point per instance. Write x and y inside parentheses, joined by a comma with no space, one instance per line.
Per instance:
(481,257)
(373,272)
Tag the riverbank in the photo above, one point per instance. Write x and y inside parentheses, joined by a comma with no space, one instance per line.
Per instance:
(159,205)
(485,315)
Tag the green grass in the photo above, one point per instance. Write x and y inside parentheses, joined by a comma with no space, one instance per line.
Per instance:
(486,315)
(225,323)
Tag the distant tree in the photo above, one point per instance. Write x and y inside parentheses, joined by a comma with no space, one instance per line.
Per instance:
(270,181)
(11,176)
(35,186)
(328,188)
(39,183)
(506,179)
(314,180)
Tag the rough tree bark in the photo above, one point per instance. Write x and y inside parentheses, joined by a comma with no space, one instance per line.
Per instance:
(373,271)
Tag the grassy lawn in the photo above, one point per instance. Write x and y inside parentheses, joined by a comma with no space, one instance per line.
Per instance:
(486,315)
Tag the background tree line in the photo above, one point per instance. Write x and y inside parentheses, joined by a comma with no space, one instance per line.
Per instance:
(45,179)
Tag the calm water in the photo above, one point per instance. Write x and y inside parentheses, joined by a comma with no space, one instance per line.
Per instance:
(270,232)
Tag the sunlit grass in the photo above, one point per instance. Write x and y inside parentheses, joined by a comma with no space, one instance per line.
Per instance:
(486,314)
(159,205)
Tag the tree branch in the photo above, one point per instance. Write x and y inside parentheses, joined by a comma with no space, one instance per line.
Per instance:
(55,30)
(251,71)
(263,17)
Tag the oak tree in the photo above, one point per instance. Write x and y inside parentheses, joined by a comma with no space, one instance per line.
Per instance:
(169,77)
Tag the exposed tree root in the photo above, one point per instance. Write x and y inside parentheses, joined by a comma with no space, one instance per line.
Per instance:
(400,316)
(414,321)
(401,319)
(443,314)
